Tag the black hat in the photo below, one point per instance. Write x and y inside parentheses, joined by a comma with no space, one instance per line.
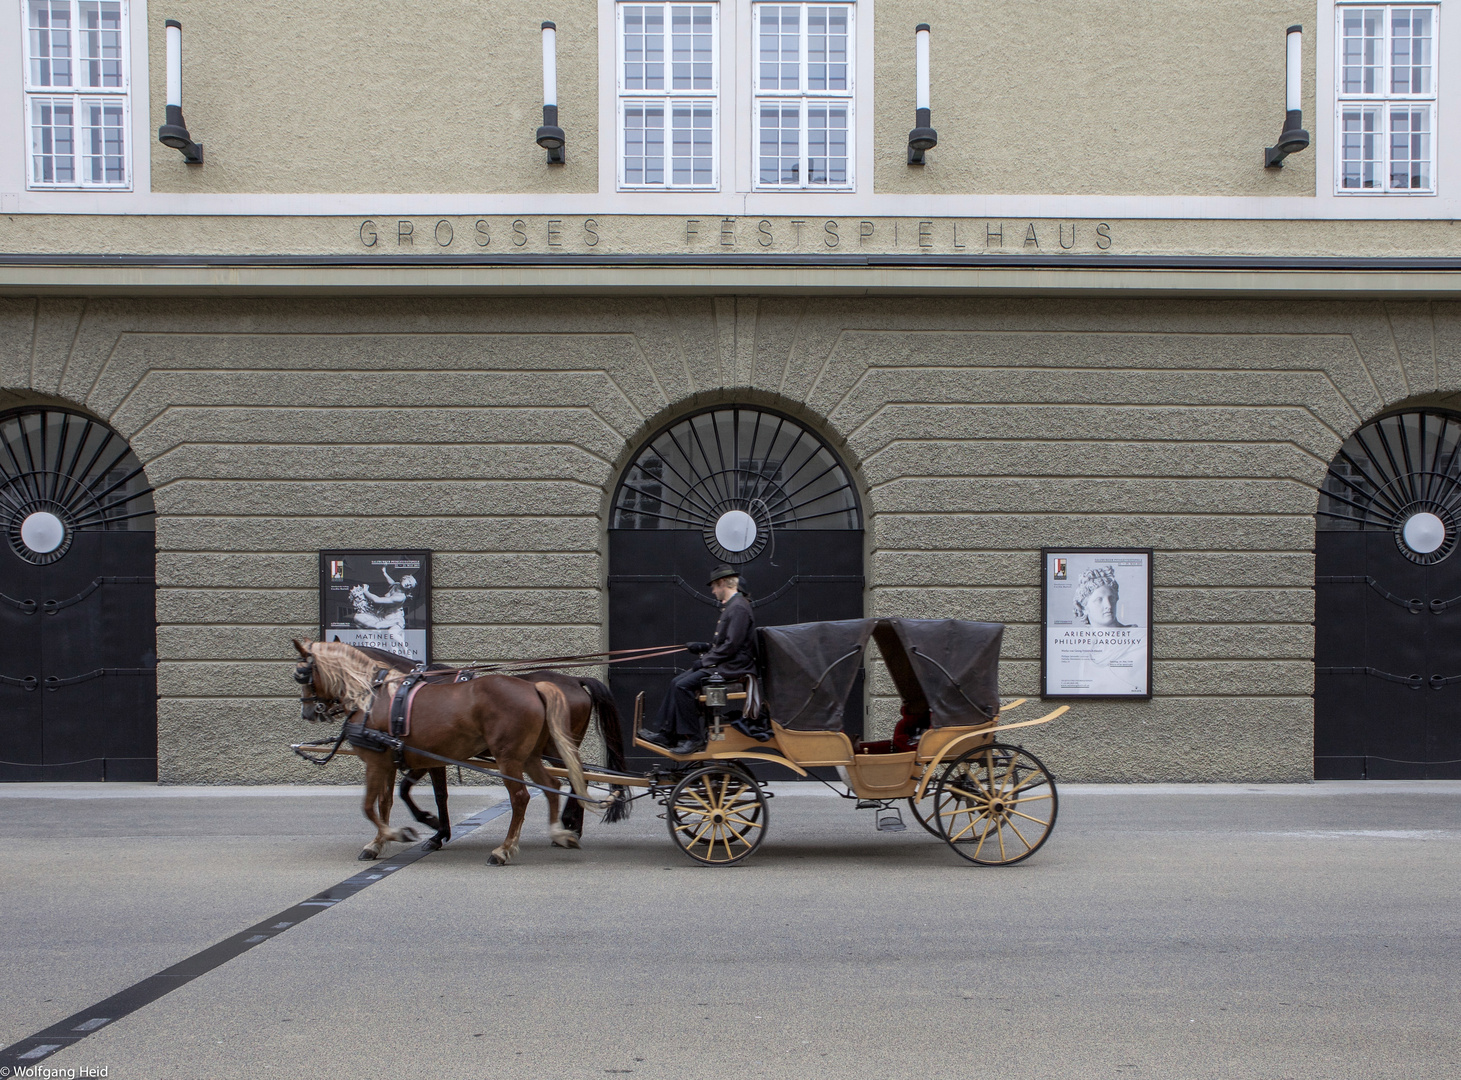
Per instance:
(722,571)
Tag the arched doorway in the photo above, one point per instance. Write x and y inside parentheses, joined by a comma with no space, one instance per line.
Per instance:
(738,484)
(1387,686)
(78,685)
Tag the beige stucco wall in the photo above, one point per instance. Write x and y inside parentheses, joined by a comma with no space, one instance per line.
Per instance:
(980,430)
(376,96)
(1051,96)
(1096,96)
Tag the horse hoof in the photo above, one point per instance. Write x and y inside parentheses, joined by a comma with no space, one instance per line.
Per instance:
(433,844)
(366,856)
(496,860)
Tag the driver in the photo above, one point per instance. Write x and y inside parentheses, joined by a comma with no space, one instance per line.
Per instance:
(680,726)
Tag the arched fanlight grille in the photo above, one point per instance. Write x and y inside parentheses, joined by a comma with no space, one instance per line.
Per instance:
(737,474)
(62,473)
(1399,474)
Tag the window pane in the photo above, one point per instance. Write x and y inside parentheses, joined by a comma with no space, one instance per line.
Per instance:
(827,144)
(1411,38)
(50,43)
(691,44)
(1361,30)
(1359,149)
(104,160)
(826,48)
(101,43)
(1410,148)
(52,141)
(692,151)
(780,47)
(780,129)
(644,47)
(644,143)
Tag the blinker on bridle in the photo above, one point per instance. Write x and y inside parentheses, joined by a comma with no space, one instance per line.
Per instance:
(312,707)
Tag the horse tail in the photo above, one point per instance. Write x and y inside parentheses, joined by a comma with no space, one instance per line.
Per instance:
(611,728)
(560,727)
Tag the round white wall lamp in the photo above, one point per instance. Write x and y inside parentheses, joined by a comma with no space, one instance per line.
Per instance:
(1423,533)
(735,530)
(43,532)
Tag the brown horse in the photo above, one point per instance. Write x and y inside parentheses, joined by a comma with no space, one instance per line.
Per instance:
(587,698)
(508,719)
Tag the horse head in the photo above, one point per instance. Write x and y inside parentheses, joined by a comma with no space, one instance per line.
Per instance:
(312,706)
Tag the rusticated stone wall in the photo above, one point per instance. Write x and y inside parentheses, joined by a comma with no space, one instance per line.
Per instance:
(979,429)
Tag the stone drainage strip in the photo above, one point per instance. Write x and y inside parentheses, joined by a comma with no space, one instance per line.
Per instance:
(78,1026)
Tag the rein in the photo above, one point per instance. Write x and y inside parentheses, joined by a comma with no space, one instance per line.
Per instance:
(559,663)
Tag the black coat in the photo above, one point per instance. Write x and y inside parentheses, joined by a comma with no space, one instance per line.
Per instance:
(733,649)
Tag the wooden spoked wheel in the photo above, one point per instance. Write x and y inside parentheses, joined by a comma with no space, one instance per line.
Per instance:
(717,815)
(995,805)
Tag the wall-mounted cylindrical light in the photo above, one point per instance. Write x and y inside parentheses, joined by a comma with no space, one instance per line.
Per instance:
(550,135)
(1293,137)
(174,132)
(923,137)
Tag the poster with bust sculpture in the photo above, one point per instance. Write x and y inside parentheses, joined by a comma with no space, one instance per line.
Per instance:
(1097,611)
(380,599)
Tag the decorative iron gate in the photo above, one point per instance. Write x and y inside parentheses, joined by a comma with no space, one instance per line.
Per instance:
(78,687)
(1387,687)
(739,485)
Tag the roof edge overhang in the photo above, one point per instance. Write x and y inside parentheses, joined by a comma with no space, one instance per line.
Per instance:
(505,275)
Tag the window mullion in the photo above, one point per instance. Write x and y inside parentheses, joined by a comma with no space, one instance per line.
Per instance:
(805,165)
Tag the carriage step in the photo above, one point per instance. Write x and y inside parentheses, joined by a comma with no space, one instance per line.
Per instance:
(890,819)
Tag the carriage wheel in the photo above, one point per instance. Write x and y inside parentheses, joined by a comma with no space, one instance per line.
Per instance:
(995,805)
(717,815)
(923,815)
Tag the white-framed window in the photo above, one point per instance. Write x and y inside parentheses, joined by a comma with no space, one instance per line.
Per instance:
(803,76)
(669,96)
(1385,90)
(76,93)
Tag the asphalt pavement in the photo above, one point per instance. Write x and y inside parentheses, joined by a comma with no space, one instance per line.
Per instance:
(1288,931)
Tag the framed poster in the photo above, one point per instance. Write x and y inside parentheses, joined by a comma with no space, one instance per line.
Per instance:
(1096,609)
(381,599)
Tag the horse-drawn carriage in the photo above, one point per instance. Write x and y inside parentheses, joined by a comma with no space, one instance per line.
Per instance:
(992,802)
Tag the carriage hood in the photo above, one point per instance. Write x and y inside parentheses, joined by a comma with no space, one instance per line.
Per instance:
(948,666)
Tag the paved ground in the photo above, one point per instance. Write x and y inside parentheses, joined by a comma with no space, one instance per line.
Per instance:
(1173,932)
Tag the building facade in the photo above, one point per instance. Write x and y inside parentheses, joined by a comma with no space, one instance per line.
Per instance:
(376,316)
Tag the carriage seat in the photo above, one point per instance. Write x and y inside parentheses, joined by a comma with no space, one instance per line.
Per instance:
(743,691)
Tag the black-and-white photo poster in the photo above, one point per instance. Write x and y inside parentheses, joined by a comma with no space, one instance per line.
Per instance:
(380,599)
(1097,611)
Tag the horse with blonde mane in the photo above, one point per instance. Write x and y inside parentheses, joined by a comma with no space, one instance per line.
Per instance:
(588,699)
(508,719)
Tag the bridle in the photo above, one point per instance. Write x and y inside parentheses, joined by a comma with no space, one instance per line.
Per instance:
(317,709)
(313,707)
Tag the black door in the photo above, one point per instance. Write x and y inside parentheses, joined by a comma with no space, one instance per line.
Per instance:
(78,689)
(1387,688)
(739,485)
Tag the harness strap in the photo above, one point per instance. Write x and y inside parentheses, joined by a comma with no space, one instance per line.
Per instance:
(401,702)
(339,741)
(364,738)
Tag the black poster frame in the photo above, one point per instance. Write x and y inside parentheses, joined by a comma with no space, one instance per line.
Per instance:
(423,582)
(1046,553)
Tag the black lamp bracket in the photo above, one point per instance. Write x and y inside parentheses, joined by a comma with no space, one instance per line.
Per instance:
(174,133)
(550,136)
(1291,140)
(922,138)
